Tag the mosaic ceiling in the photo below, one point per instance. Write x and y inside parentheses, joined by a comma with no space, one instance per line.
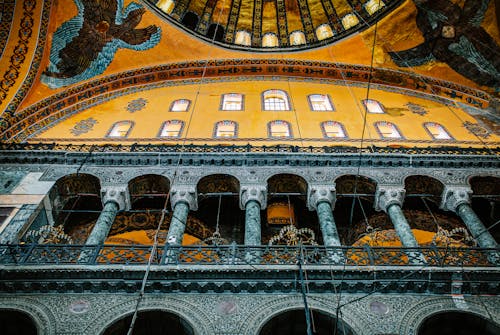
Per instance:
(274,24)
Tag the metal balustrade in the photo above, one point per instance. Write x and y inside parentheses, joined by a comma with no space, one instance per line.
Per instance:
(235,255)
(248,148)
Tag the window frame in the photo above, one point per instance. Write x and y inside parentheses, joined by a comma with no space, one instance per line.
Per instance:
(376,125)
(365,104)
(216,128)
(242,106)
(164,124)
(173,103)
(275,96)
(115,124)
(426,124)
(311,106)
(325,135)
(269,129)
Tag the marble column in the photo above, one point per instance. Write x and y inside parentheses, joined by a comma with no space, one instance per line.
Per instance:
(252,223)
(114,198)
(253,200)
(390,200)
(327,224)
(457,199)
(178,223)
(321,198)
(103,224)
(183,198)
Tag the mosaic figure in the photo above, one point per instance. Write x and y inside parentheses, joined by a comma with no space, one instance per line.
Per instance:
(85,45)
(453,35)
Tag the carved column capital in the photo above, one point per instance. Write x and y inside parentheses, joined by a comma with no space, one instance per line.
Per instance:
(184,193)
(118,194)
(320,193)
(387,195)
(454,196)
(253,192)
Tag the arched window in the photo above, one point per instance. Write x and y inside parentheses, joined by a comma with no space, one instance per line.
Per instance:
(297,38)
(190,20)
(226,129)
(373,6)
(279,129)
(243,38)
(437,131)
(171,128)
(166,6)
(320,102)
(333,129)
(270,40)
(231,102)
(324,31)
(181,105)
(349,21)
(275,100)
(387,130)
(373,106)
(120,129)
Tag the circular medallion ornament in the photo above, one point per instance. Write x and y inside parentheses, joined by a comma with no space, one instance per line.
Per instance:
(379,308)
(79,307)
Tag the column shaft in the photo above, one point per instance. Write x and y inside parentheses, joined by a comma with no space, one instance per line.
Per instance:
(103,225)
(252,223)
(401,226)
(178,223)
(476,227)
(327,224)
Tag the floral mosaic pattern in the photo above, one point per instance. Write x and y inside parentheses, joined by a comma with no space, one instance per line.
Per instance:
(136,105)
(477,130)
(416,108)
(83,126)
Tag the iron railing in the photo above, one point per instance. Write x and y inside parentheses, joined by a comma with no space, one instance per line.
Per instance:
(216,148)
(238,255)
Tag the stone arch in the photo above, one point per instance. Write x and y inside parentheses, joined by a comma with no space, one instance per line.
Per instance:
(71,195)
(195,317)
(287,205)
(41,316)
(451,322)
(414,317)
(218,205)
(298,173)
(352,212)
(253,324)
(148,191)
(485,201)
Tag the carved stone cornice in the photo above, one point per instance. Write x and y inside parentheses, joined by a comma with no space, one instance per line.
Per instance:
(387,195)
(253,192)
(118,194)
(184,193)
(454,196)
(320,193)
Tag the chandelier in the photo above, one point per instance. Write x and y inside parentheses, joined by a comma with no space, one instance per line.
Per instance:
(291,235)
(49,235)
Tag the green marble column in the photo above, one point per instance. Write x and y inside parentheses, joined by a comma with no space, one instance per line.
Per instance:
(405,234)
(327,225)
(178,223)
(476,227)
(103,224)
(401,226)
(252,223)
(100,231)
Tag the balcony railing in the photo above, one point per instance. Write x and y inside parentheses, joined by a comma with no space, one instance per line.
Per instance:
(237,255)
